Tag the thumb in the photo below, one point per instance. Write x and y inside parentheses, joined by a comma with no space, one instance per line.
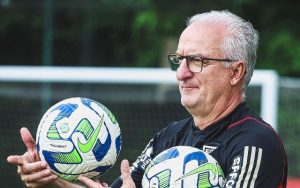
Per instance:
(29,143)
(126,176)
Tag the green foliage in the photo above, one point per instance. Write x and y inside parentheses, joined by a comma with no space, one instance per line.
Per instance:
(283,53)
(133,32)
(144,38)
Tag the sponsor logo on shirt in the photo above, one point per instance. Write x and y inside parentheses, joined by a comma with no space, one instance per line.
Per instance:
(144,159)
(208,149)
(234,172)
(245,168)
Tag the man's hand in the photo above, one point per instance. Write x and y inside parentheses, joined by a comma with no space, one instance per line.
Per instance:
(92,184)
(33,172)
(31,154)
(126,176)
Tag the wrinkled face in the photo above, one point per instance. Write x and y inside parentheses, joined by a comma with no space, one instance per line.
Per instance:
(202,91)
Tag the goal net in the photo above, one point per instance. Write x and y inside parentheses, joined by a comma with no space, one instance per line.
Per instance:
(143,100)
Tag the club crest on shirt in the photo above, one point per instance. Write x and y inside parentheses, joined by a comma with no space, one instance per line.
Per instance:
(208,149)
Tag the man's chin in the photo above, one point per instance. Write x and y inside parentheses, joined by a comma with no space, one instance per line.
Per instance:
(188,104)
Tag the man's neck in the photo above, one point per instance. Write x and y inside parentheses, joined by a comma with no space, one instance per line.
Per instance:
(218,112)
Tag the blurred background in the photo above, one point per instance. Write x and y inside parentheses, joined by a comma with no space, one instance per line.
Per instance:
(131,33)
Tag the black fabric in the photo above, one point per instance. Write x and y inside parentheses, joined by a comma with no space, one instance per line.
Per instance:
(248,150)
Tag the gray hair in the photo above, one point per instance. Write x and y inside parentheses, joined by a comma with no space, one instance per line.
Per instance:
(241,40)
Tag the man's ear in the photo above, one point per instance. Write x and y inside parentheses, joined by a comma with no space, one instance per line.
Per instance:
(238,72)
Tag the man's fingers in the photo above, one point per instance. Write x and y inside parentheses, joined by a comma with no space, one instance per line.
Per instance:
(92,184)
(31,154)
(29,143)
(125,169)
(42,174)
(42,181)
(16,159)
(35,167)
(126,176)
(86,181)
(38,177)
(20,159)
(47,179)
(27,138)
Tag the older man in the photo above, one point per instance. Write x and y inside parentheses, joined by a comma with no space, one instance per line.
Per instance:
(214,63)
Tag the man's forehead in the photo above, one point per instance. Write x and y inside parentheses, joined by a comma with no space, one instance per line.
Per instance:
(200,38)
(204,27)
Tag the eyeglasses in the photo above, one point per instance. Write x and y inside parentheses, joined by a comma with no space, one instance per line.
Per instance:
(194,62)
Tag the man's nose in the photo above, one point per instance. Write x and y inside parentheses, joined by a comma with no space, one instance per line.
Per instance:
(183,71)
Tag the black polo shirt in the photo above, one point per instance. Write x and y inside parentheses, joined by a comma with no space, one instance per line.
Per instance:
(249,151)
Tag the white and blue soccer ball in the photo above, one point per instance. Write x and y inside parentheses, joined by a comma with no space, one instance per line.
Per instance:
(183,167)
(79,136)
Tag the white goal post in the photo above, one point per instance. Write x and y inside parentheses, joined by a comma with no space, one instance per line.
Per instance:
(266,79)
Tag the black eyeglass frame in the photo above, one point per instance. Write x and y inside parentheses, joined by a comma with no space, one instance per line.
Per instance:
(196,58)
